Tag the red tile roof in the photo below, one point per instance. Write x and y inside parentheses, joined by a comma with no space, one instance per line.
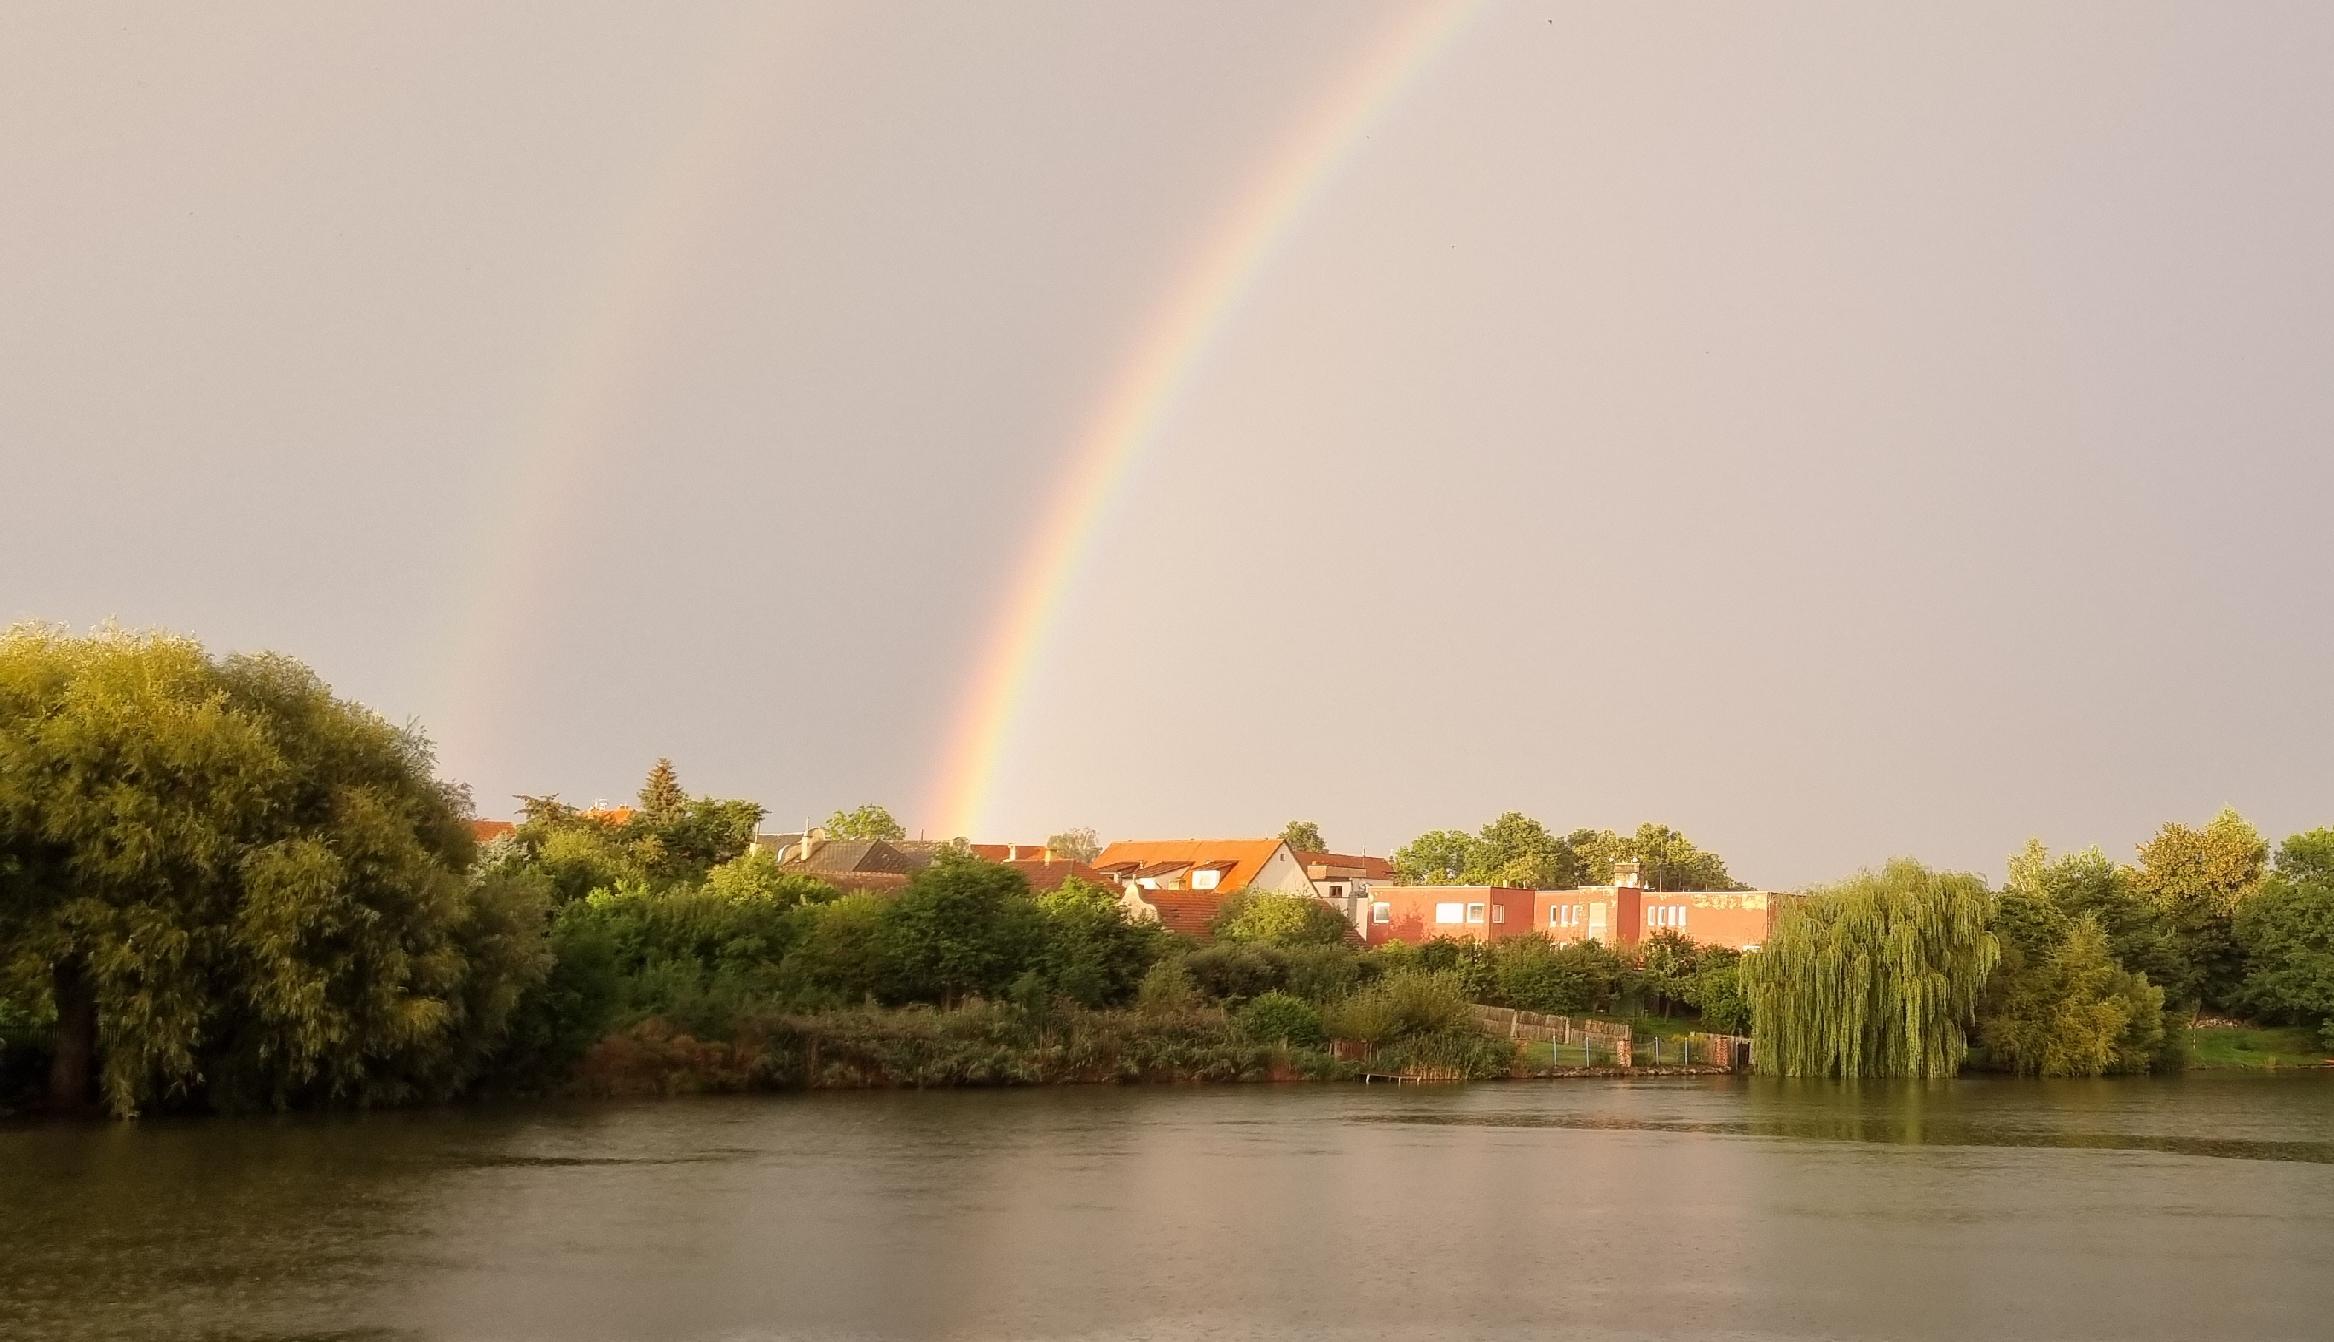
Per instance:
(1185,911)
(1006,852)
(1241,860)
(1044,875)
(486,831)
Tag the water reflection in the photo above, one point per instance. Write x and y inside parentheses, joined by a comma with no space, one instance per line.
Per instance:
(1918,1114)
(1690,1208)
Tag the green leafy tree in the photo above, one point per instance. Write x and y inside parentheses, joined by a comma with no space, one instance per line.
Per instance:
(839,951)
(868,822)
(2087,884)
(959,929)
(1304,836)
(1717,994)
(661,795)
(1516,850)
(1666,964)
(2060,1005)
(2286,935)
(2198,877)
(226,886)
(1880,975)
(2308,857)
(1077,845)
(580,858)
(1274,919)
(679,844)
(1437,857)
(1088,951)
(698,956)
(1666,859)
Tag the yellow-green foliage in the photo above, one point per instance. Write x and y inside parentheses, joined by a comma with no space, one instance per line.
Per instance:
(2067,1009)
(1877,976)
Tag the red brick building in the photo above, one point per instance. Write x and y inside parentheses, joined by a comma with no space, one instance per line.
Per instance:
(1416,913)
(1619,915)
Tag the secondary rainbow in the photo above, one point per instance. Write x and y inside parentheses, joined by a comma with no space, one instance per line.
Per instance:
(1172,347)
(565,434)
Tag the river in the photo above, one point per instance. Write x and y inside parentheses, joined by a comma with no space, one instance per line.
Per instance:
(2199,1207)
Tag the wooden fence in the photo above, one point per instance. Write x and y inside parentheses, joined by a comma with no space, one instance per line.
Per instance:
(1612,1042)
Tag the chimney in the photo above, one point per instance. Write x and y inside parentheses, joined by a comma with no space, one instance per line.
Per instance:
(807,831)
(1628,874)
(1012,852)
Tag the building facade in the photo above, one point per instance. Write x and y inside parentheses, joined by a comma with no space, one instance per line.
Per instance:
(1620,915)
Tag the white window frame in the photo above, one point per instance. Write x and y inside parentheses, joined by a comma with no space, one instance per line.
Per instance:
(1499,913)
(1474,913)
(1381,912)
(1448,913)
(1206,879)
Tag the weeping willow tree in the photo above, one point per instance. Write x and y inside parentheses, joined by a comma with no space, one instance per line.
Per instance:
(1877,976)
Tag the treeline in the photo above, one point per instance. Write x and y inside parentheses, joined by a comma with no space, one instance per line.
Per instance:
(1516,850)
(2080,966)
(222,888)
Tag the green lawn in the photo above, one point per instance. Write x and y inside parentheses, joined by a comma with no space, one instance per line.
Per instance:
(2225,1046)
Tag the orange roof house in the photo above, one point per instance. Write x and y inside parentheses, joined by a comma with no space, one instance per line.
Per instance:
(1222,865)
(1182,883)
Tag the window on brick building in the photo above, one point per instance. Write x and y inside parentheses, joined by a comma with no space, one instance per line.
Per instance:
(1450,913)
(1381,913)
(1474,913)
(1499,913)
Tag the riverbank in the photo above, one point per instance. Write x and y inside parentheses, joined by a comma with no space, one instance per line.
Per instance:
(2259,1048)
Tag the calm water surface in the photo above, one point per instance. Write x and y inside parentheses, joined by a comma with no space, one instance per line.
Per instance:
(2188,1209)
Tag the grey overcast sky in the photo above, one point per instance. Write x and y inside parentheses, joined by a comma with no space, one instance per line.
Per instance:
(1838,431)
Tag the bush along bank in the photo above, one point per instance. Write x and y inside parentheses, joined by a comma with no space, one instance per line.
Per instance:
(1413,1027)
(979,1044)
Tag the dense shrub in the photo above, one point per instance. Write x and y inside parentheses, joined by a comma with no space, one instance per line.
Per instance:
(1232,972)
(1167,988)
(838,954)
(1322,974)
(1087,950)
(1273,919)
(1406,1002)
(1716,992)
(1278,1017)
(983,1044)
(1534,974)
(961,928)
(1457,1053)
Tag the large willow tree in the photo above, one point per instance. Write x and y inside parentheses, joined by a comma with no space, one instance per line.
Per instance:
(1877,976)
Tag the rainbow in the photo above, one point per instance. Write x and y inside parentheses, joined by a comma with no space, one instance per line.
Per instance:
(1149,382)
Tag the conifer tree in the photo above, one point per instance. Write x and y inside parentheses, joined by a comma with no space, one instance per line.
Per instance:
(661,795)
